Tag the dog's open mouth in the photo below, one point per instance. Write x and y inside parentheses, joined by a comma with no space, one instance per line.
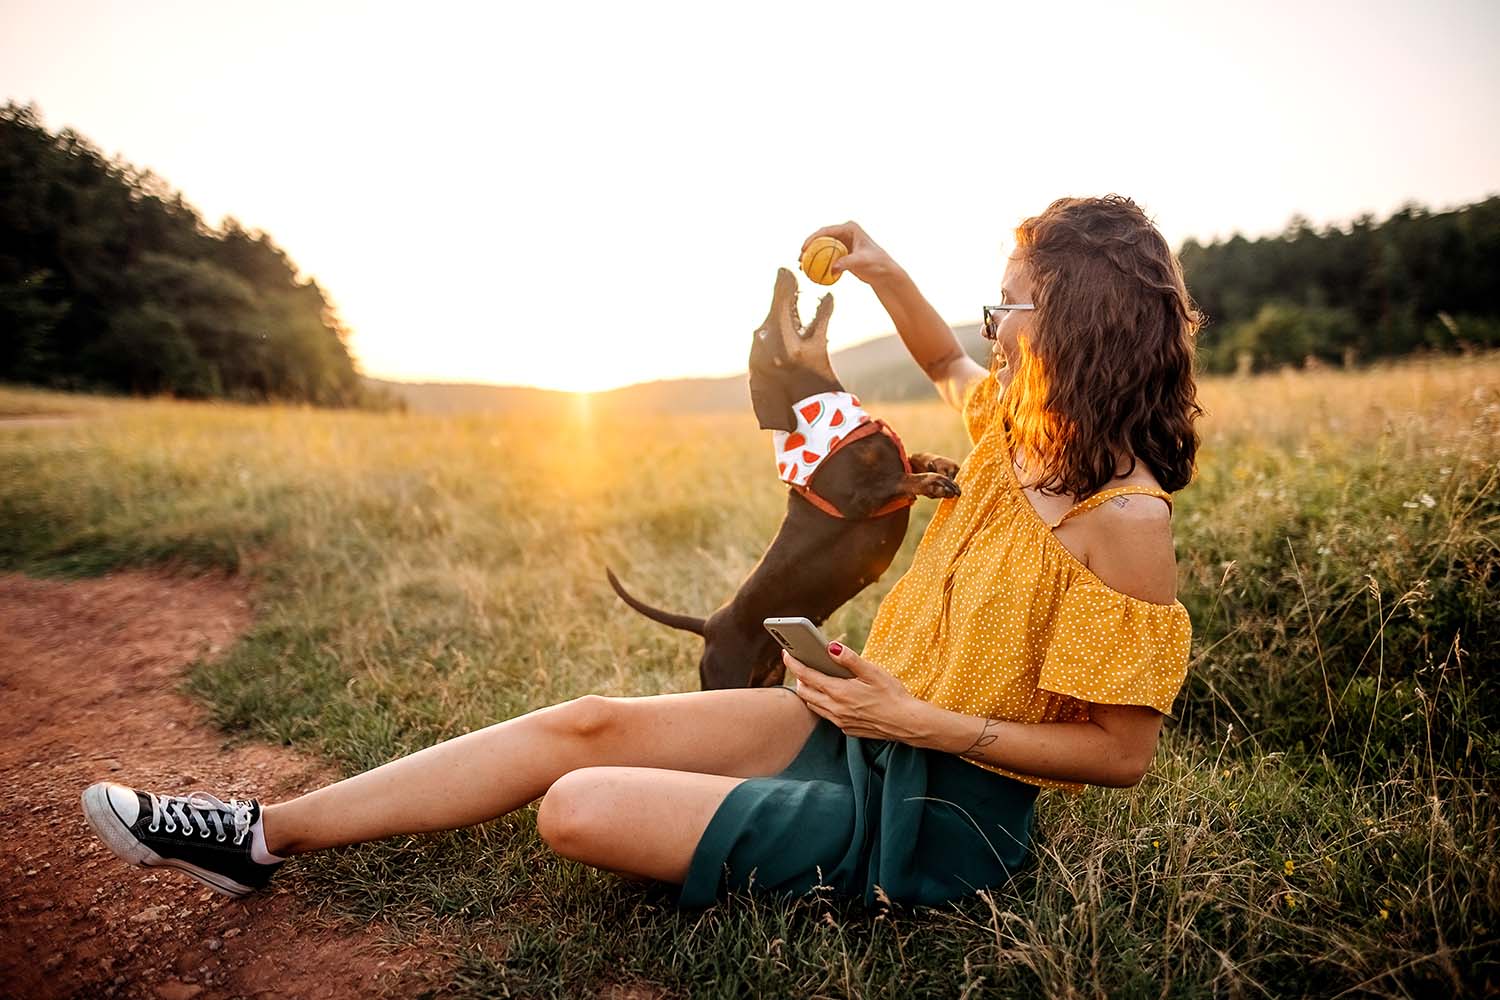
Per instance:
(785,320)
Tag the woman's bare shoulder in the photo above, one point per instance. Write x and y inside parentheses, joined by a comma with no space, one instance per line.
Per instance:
(1129,543)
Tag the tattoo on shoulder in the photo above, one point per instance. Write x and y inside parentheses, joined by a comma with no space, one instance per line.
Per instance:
(985,738)
(1120,501)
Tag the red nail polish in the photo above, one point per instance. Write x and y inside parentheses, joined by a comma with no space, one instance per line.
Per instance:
(834,648)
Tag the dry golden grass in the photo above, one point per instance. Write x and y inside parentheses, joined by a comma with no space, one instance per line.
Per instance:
(1319,822)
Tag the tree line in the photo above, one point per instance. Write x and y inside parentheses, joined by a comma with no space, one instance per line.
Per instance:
(1417,281)
(110,281)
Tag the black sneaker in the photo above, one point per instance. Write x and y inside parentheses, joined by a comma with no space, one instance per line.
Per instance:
(198,834)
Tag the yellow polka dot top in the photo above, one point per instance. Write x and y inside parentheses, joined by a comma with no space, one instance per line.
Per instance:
(996,618)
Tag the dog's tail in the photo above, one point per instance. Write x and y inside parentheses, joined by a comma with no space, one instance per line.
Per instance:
(684,622)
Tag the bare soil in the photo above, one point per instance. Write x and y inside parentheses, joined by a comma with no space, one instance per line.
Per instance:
(89,676)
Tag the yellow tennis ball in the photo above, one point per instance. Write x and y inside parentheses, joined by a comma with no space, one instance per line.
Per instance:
(818,258)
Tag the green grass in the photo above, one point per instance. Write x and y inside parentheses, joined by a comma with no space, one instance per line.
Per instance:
(1320,821)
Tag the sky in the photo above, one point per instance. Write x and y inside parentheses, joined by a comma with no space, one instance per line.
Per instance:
(581,196)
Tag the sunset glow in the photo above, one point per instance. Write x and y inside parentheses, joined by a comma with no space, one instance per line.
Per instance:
(584,198)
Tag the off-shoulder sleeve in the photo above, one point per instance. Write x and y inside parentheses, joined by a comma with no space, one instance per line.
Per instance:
(1114,649)
(979,402)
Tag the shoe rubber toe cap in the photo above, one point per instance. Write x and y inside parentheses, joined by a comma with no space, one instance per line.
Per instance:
(125,802)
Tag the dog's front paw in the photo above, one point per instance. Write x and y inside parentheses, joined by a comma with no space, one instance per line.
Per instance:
(944,467)
(923,461)
(945,487)
(930,484)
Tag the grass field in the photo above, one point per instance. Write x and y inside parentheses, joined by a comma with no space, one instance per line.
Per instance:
(1321,820)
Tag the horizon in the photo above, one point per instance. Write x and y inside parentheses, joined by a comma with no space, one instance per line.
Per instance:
(523,213)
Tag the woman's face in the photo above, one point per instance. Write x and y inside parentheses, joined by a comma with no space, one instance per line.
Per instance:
(1015,287)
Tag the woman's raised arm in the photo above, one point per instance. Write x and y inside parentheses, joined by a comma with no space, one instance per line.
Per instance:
(930,340)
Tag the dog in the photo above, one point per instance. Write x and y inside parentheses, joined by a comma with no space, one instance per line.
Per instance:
(844,521)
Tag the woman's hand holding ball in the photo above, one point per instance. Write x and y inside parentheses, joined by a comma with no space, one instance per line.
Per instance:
(860,256)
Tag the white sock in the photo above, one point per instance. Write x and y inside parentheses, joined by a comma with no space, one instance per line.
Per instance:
(258,852)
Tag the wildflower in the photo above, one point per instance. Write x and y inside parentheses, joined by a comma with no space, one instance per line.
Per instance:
(1289,866)
(1291,901)
(1384,913)
(1155,843)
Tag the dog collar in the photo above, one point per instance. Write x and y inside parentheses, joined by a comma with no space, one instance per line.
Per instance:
(826,421)
(823,420)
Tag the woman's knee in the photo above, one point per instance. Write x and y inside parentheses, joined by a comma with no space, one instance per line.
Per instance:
(566,818)
(589,716)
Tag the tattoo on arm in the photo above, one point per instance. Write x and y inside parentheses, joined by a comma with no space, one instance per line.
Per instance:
(984,739)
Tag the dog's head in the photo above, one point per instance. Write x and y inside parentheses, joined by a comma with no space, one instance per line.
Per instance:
(788,362)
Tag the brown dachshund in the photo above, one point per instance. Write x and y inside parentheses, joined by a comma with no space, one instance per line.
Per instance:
(841,530)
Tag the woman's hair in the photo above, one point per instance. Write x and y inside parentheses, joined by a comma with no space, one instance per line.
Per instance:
(1107,369)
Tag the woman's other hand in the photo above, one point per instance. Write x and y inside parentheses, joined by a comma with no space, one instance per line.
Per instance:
(871,704)
(865,260)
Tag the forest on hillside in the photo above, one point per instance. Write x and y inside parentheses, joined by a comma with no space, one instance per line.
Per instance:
(1417,281)
(110,281)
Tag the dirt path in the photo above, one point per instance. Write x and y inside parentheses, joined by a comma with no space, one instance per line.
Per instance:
(88,672)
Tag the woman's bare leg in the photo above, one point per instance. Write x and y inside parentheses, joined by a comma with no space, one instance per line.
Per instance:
(666,812)
(491,771)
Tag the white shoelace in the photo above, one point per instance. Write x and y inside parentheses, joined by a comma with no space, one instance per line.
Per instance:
(200,808)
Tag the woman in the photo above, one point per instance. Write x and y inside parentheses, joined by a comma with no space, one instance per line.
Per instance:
(1035,641)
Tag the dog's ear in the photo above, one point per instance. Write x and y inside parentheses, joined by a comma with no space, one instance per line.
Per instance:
(772,407)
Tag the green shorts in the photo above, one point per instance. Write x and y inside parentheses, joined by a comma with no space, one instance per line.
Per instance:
(852,814)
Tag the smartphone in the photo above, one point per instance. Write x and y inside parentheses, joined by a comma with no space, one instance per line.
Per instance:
(806,642)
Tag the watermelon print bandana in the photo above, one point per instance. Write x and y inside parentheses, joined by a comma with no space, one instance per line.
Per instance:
(823,419)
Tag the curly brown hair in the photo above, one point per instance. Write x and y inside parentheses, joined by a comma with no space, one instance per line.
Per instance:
(1107,370)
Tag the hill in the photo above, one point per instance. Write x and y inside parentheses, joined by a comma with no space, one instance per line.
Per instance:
(879,370)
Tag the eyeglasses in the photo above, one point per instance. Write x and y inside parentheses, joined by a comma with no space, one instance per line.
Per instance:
(994,314)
